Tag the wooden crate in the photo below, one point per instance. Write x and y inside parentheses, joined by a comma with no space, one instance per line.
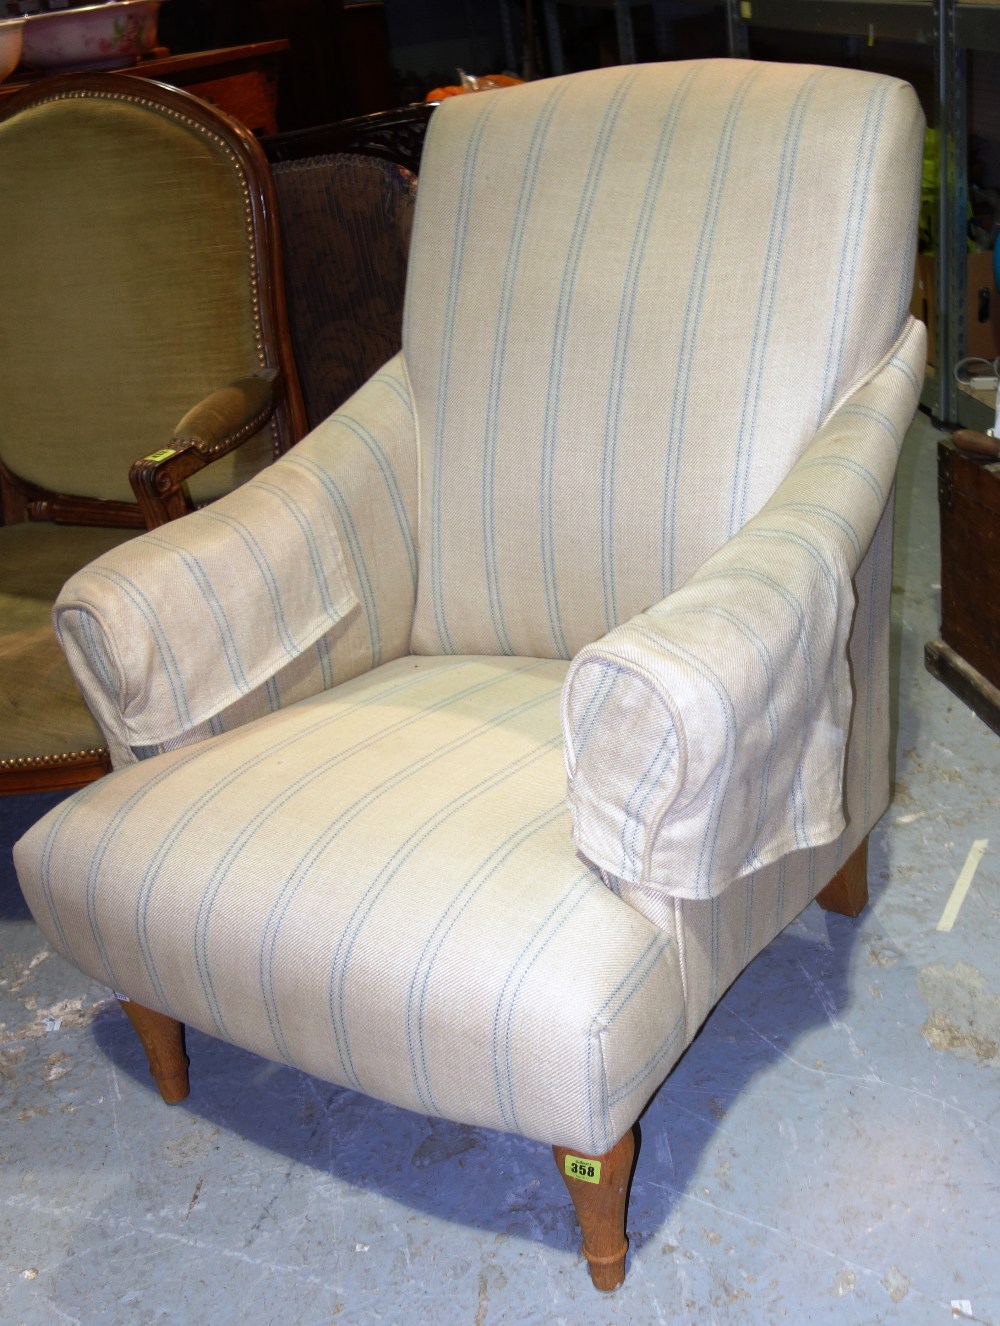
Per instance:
(967,657)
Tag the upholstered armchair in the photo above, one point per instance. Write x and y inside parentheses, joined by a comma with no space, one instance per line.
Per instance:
(141,316)
(468,755)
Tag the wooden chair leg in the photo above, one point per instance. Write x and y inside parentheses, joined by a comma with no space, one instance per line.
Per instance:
(847,892)
(599,1188)
(163,1040)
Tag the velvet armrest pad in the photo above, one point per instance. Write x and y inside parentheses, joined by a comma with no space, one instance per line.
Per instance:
(229,415)
(705,738)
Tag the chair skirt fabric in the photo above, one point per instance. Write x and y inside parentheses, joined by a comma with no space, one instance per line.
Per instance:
(378,885)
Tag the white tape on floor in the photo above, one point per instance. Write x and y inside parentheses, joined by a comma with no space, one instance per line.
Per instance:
(976,853)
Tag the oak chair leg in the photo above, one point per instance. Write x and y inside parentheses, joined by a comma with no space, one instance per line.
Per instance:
(599,1188)
(163,1040)
(847,892)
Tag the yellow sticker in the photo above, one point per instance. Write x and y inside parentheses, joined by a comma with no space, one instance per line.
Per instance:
(579,1167)
(746,10)
(161,455)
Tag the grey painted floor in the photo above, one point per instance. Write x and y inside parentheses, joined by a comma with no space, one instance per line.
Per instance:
(827,1151)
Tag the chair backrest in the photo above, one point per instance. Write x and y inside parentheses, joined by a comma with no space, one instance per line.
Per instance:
(634,294)
(345,223)
(141,271)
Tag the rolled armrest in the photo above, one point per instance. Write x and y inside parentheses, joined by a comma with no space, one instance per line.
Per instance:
(224,420)
(705,738)
(301,578)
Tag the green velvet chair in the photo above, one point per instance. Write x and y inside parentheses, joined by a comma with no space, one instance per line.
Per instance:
(142,315)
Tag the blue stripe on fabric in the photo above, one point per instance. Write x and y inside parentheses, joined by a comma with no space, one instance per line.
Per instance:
(398,387)
(391,482)
(653,1070)
(79,803)
(714,911)
(501,337)
(857,410)
(273,692)
(901,366)
(581,733)
(766,657)
(820,512)
(282,903)
(709,839)
(355,550)
(905,295)
(435,571)
(802,639)
(746,444)
(560,336)
(324,658)
(416,999)
(341,961)
(748,885)
(320,571)
(178,828)
(203,583)
(96,653)
(260,559)
(623,335)
(881,549)
(604,1019)
(855,467)
(850,254)
(783,536)
(168,662)
(683,379)
(663,760)
(265,815)
(577,891)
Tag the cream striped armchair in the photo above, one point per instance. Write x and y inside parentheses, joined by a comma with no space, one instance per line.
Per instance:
(467,754)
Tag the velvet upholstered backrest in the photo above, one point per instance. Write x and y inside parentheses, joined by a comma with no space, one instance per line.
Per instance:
(130,284)
(634,295)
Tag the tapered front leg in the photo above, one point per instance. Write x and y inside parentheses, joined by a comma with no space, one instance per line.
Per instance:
(163,1040)
(847,892)
(599,1187)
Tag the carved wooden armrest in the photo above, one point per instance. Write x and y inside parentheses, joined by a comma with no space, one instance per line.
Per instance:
(217,425)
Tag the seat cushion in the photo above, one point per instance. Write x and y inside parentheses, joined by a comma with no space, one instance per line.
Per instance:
(378,886)
(41,710)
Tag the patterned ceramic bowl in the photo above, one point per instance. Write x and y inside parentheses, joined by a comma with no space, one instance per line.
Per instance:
(11,37)
(107,36)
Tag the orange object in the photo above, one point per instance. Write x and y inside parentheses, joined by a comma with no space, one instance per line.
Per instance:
(472,84)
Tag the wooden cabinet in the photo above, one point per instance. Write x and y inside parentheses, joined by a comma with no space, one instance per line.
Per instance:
(240,80)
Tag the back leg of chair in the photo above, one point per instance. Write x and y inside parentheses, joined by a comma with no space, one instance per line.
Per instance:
(847,892)
(163,1040)
(599,1188)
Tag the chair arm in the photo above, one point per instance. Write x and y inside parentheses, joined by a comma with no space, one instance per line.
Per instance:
(705,738)
(224,420)
(302,577)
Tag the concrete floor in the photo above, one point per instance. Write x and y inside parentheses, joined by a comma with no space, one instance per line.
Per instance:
(827,1151)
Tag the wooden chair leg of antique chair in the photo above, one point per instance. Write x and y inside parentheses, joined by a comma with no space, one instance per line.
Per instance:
(163,1040)
(599,1188)
(847,892)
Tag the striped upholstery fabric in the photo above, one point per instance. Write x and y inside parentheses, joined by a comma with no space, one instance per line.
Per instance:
(325,538)
(350,848)
(404,915)
(635,294)
(732,698)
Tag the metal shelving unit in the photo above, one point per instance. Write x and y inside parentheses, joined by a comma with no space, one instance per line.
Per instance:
(950,30)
